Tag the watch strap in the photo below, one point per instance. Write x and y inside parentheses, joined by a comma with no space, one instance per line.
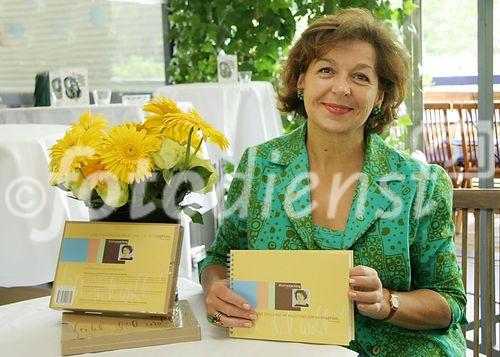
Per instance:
(393,309)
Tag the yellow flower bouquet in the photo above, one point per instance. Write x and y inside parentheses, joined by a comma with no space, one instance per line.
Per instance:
(137,171)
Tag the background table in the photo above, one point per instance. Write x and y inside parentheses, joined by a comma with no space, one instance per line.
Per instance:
(32,213)
(30,328)
(245,113)
(116,113)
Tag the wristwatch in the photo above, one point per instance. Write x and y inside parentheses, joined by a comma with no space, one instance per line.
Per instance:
(394,301)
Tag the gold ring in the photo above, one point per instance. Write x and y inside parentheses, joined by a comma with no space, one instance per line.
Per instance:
(217,316)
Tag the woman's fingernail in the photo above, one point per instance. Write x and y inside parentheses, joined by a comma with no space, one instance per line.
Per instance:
(248,324)
(352,294)
(252,317)
(246,306)
(352,281)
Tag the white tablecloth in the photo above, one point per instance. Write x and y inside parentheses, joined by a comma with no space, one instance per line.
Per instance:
(32,213)
(245,113)
(116,113)
(30,328)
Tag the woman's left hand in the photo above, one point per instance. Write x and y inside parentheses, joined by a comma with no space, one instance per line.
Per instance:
(367,292)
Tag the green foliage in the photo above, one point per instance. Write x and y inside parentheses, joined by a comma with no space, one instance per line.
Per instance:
(260,32)
(396,136)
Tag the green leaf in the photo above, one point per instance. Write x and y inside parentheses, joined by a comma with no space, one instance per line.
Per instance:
(203,172)
(195,216)
(409,7)
(404,121)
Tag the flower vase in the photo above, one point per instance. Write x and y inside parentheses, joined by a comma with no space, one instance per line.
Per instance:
(123,214)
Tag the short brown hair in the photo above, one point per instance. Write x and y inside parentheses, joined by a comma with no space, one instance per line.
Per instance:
(392,64)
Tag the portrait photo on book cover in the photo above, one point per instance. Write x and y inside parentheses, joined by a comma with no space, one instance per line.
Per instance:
(126,252)
(300,298)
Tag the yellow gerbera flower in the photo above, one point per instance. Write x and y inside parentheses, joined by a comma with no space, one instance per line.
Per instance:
(88,121)
(158,107)
(132,124)
(155,123)
(194,120)
(161,106)
(126,152)
(73,151)
(168,120)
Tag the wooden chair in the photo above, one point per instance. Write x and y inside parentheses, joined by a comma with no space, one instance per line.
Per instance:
(477,201)
(468,114)
(437,141)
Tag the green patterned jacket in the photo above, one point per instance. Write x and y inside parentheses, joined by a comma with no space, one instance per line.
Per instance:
(400,224)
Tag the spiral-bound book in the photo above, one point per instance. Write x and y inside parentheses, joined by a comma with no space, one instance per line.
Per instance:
(299,295)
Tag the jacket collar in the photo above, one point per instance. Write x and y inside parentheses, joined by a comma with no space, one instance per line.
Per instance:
(371,200)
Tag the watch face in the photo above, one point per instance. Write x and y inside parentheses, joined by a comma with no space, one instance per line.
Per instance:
(394,301)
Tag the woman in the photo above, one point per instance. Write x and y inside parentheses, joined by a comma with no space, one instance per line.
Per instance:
(126,252)
(334,184)
(300,299)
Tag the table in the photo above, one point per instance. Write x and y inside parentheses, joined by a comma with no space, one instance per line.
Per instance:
(32,213)
(245,113)
(30,328)
(116,114)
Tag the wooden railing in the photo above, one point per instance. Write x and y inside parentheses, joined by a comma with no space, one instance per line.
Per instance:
(485,202)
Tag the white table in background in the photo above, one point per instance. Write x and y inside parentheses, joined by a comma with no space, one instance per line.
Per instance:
(32,213)
(30,328)
(116,113)
(245,113)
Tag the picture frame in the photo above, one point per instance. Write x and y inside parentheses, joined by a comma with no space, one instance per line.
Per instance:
(227,68)
(74,86)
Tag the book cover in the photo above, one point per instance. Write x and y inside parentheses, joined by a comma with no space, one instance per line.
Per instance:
(83,333)
(118,267)
(299,295)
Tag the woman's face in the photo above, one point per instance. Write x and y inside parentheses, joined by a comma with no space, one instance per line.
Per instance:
(341,88)
(126,252)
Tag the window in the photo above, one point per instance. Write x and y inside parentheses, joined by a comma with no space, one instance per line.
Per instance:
(450,44)
(119,42)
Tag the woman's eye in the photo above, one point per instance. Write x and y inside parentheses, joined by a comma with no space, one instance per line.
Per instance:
(362,77)
(326,70)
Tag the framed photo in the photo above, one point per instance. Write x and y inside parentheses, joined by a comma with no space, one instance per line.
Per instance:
(55,88)
(227,68)
(74,86)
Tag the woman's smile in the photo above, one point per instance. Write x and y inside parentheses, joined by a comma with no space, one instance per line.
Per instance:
(337,109)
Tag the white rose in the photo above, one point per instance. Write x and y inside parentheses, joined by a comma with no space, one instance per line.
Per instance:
(169,155)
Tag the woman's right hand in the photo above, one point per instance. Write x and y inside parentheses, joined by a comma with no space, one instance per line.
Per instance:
(236,311)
